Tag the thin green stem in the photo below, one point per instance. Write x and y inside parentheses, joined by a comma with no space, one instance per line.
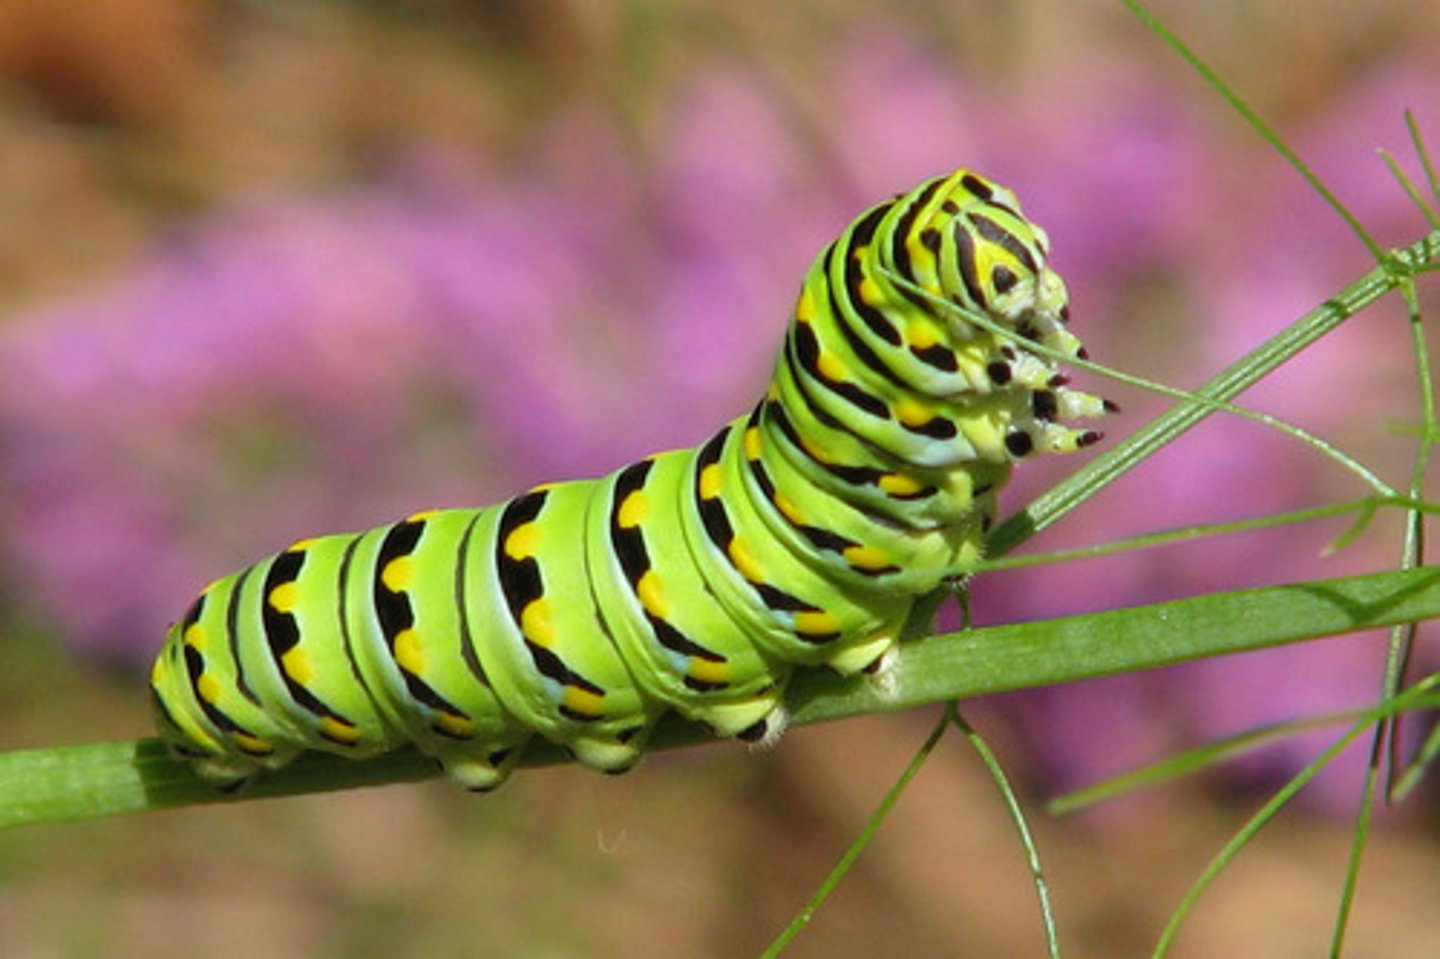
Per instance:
(1420,697)
(1412,556)
(1411,190)
(851,854)
(1225,385)
(1017,818)
(1366,507)
(1427,163)
(1208,74)
(1414,774)
(1251,828)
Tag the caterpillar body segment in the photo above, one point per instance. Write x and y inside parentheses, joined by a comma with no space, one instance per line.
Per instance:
(683,645)
(695,580)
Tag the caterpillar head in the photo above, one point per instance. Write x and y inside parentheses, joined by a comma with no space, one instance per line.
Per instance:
(992,263)
(992,260)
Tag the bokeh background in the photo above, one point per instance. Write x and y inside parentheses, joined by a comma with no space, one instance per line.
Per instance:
(271,269)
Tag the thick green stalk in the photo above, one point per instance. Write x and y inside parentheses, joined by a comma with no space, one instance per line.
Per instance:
(104,779)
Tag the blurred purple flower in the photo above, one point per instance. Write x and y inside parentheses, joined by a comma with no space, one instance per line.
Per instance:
(303,365)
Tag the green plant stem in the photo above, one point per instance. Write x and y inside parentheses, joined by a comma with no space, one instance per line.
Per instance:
(1251,828)
(1225,385)
(1261,128)
(90,781)
(1022,827)
(1412,555)
(853,851)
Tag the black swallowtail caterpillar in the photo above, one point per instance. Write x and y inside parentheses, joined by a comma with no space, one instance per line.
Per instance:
(695,580)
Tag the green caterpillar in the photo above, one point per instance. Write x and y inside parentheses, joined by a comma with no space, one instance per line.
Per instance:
(695,580)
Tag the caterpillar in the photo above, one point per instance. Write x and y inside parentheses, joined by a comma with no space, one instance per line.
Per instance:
(695,580)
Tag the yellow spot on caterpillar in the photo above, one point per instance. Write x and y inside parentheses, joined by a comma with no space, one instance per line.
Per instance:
(830,367)
(454,724)
(708,671)
(633,510)
(158,672)
(710,481)
(805,308)
(398,574)
(409,654)
(816,622)
(745,562)
(584,702)
(542,487)
(339,731)
(752,443)
(285,597)
(421,516)
(787,507)
(921,335)
(301,545)
(869,292)
(252,745)
(536,624)
(772,393)
(912,413)
(650,595)
(523,542)
(919,252)
(209,688)
(815,452)
(866,557)
(195,636)
(898,484)
(297,665)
